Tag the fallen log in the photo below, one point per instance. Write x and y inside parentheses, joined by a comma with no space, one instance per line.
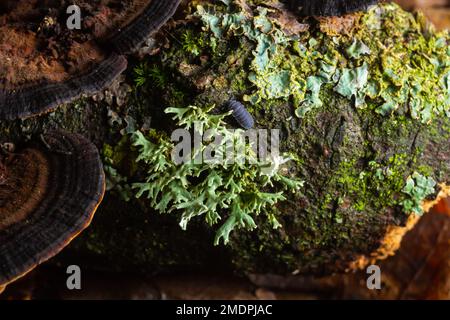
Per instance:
(364,113)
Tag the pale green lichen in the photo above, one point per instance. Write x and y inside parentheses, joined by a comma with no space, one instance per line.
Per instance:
(352,82)
(269,52)
(235,191)
(408,65)
(376,66)
(358,49)
(418,188)
(391,59)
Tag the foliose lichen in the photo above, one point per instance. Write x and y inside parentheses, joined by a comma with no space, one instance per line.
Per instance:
(389,59)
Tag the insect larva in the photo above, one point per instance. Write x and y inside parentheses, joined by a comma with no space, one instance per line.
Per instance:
(242,116)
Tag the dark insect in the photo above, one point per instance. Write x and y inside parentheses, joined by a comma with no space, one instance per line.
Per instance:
(329,7)
(242,116)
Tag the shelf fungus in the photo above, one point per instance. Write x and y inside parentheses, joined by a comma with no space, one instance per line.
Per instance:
(48,195)
(45,61)
(330,7)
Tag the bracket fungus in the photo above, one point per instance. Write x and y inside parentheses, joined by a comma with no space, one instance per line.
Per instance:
(48,195)
(330,7)
(44,63)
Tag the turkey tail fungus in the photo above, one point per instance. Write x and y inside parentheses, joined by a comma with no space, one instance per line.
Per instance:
(44,63)
(48,195)
(329,7)
(151,20)
(31,100)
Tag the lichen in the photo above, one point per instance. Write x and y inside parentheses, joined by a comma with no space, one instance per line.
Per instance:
(391,58)
(207,187)
(418,188)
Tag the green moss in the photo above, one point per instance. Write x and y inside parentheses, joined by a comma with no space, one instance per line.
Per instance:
(119,164)
(194,44)
(144,73)
(382,185)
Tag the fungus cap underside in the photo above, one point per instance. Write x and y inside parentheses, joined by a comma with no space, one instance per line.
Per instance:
(49,195)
